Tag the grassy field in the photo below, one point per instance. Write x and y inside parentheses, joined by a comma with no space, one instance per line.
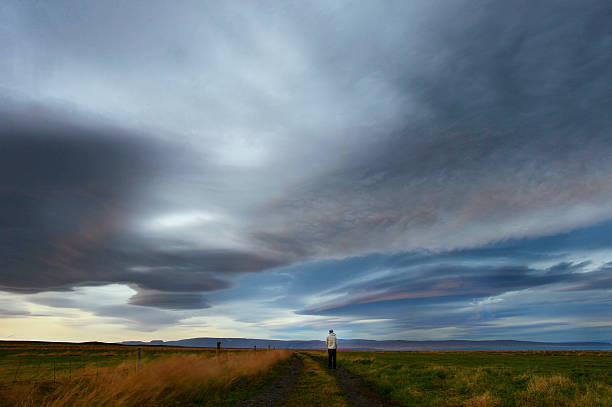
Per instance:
(109,375)
(483,378)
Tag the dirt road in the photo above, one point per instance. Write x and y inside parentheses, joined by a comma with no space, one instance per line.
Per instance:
(350,389)
(274,394)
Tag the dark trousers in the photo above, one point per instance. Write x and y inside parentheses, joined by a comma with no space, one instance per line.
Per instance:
(331,356)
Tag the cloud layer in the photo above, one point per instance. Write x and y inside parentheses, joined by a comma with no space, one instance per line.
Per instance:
(223,141)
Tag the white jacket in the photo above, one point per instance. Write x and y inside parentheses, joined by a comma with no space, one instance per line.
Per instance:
(332,342)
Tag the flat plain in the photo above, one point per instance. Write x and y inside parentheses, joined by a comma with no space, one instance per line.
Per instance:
(485,378)
(59,374)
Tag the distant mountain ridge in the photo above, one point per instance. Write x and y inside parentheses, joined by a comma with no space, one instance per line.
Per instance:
(367,344)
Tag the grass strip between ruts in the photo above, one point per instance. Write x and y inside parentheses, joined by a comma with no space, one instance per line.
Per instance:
(316,387)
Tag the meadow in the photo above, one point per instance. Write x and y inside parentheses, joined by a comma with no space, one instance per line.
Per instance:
(485,378)
(112,375)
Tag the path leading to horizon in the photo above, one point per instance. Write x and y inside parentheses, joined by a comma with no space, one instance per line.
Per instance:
(277,392)
(310,383)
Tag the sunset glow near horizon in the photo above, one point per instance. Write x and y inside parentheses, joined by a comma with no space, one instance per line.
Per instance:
(420,170)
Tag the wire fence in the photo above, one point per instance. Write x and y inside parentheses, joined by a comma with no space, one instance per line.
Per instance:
(54,371)
(25,368)
(31,369)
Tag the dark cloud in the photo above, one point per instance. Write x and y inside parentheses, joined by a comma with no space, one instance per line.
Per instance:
(175,301)
(9,313)
(496,123)
(68,192)
(507,128)
(66,189)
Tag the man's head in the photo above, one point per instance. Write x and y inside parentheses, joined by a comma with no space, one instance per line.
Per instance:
(331,331)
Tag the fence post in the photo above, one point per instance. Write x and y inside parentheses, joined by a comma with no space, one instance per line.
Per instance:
(17,371)
(254,348)
(139,355)
(218,347)
(268,346)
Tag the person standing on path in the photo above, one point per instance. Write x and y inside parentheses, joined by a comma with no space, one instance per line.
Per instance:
(332,345)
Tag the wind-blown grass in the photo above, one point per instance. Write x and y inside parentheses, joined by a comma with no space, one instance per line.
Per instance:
(31,361)
(175,380)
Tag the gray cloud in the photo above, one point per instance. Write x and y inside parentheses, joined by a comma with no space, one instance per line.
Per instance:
(443,282)
(131,315)
(65,190)
(175,301)
(68,193)
(9,313)
(279,134)
(423,134)
(508,137)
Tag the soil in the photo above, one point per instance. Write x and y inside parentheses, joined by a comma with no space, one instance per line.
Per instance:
(274,394)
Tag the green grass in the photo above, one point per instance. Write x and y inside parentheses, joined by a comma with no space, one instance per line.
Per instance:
(486,378)
(315,387)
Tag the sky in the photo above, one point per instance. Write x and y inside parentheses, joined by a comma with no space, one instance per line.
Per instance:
(418,170)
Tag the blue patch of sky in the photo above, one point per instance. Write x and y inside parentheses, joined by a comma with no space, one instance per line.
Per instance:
(295,287)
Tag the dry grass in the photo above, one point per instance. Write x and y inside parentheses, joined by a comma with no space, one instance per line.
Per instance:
(562,392)
(484,400)
(180,379)
(539,384)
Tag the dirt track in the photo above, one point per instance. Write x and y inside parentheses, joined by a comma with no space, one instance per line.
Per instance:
(275,394)
(359,394)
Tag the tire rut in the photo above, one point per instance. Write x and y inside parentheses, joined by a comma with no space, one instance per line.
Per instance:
(359,394)
(274,394)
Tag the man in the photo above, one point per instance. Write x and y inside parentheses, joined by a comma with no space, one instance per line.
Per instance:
(332,345)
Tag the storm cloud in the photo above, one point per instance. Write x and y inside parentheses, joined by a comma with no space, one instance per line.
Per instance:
(68,193)
(184,151)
